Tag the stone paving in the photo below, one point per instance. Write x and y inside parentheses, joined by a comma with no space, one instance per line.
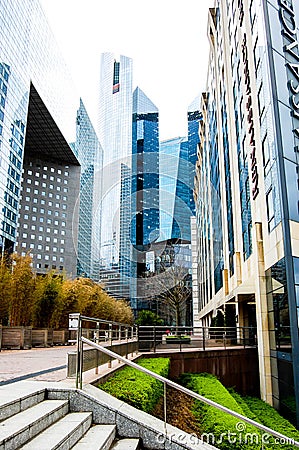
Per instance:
(43,364)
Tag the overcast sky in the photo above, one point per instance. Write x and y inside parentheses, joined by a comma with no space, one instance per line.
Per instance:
(166,39)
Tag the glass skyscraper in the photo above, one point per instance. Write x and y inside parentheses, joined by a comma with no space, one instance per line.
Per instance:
(90,156)
(115,135)
(176,187)
(38,104)
(145,221)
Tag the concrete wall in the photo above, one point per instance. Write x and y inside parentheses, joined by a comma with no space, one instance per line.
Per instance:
(234,367)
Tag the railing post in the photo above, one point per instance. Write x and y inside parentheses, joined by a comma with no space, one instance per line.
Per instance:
(110,337)
(119,333)
(165,407)
(75,322)
(127,336)
(81,362)
(97,340)
(244,342)
(203,338)
(154,339)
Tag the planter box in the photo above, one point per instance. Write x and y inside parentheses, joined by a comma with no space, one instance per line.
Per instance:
(17,338)
(178,340)
(60,337)
(42,337)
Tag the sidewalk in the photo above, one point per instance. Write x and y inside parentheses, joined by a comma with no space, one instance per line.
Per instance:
(43,364)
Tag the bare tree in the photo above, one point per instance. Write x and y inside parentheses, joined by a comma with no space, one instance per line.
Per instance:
(171,287)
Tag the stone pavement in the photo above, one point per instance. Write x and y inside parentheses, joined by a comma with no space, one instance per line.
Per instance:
(45,364)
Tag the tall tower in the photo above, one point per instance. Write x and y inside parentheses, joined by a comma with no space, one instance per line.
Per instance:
(145,183)
(90,156)
(115,134)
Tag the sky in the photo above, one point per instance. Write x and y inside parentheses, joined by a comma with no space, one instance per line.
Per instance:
(166,39)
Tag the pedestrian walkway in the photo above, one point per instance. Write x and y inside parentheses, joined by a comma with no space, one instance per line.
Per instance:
(45,364)
(42,364)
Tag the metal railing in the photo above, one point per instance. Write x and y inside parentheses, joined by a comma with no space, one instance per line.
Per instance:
(100,330)
(182,389)
(155,338)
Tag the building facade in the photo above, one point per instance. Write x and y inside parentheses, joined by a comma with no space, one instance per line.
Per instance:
(39,172)
(90,156)
(115,135)
(145,223)
(176,172)
(246,186)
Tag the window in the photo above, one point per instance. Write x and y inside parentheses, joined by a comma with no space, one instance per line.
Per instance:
(270,209)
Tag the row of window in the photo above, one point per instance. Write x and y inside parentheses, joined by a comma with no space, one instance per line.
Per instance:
(50,195)
(50,186)
(40,247)
(46,168)
(46,258)
(40,238)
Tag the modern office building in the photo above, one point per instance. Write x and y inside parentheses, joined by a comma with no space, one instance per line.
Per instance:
(115,135)
(176,187)
(145,222)
(39,172)
(90,156)
(246,186)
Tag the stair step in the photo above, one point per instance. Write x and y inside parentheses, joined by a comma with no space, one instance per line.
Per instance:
(126,444)
(17,430)
(99,437)
(63,434)
(15,400)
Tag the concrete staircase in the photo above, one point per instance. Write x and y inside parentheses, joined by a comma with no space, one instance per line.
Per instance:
(46,416)
(29,421)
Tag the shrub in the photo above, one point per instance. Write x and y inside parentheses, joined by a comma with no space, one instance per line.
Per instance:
(137,388)
(219,428)
(269,417)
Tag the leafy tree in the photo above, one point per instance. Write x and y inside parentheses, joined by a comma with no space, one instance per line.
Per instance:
(147,317)
(22,291)
(47,293)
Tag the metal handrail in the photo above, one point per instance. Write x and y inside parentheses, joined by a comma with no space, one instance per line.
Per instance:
(186,391)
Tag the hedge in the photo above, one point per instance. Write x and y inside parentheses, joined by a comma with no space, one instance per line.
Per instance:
(137,388)
(219,428)
(269,417)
